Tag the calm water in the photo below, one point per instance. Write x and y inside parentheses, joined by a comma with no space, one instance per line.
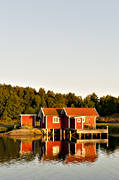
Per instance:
(39,159)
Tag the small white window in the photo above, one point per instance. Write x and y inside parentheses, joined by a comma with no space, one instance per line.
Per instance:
(79,120)
(83,119)
(55,120)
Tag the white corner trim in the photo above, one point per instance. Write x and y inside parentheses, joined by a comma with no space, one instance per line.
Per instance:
(69,122)
(65,112)
(42,111)
(79,117)
(95,122)
(75,123)
(46,121)
(21,120)
(39,112)
(43,114)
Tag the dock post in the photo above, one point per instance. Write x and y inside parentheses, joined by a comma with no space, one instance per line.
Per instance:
(69,148)
(53,135)
(47,134)
(91,135)
(60,134)
(100,135)
(70,134)
(79,135)
(64,134)
(107,143)
(107,131)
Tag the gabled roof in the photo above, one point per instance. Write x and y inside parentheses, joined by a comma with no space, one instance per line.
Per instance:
(72,112)
(52,111)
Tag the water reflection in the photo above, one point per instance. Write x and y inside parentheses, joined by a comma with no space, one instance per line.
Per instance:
(13,150)
(81,152)
(27,147)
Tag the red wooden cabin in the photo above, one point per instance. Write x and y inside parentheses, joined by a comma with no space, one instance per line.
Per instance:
(81,118)
(50,118)
(72,118)
(28,119)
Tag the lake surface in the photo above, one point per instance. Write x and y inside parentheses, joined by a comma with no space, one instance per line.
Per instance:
(44,160)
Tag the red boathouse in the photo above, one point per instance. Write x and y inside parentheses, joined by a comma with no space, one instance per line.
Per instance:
(68,118)
(81,118)
(50,118)
(28,120)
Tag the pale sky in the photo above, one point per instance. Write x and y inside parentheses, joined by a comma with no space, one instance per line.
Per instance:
(60,45)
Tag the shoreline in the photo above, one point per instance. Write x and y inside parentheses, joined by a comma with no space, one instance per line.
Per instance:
(23,132)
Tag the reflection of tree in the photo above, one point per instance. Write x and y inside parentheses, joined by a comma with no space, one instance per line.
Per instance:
(9,149)
(28,157)
(113,145)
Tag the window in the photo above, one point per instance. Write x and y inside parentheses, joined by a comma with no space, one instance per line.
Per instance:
(83,119)
(55,120)
(79,120)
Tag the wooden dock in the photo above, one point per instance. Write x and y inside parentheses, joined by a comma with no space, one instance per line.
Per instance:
(93,131)
(70,133)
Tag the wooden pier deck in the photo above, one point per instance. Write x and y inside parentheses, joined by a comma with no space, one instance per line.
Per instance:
(92,131)
(85,132)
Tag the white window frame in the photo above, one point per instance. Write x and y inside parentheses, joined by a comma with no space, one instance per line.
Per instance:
(78,120)
(83,120)
(57,119)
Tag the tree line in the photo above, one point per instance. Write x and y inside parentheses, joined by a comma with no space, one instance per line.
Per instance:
(19,100)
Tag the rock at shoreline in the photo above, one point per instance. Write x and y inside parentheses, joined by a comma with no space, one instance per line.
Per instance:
(24,132)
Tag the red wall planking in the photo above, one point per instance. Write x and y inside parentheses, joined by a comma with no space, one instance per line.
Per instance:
(51,125)
(28,120)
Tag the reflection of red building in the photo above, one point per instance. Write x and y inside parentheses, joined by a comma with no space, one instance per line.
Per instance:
(52,149)
(80,152)
(26,147)
(70,152)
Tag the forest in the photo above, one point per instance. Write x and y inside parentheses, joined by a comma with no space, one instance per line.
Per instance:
(19,100)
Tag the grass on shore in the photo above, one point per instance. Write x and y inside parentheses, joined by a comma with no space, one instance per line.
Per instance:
(107,124)
(3,129)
